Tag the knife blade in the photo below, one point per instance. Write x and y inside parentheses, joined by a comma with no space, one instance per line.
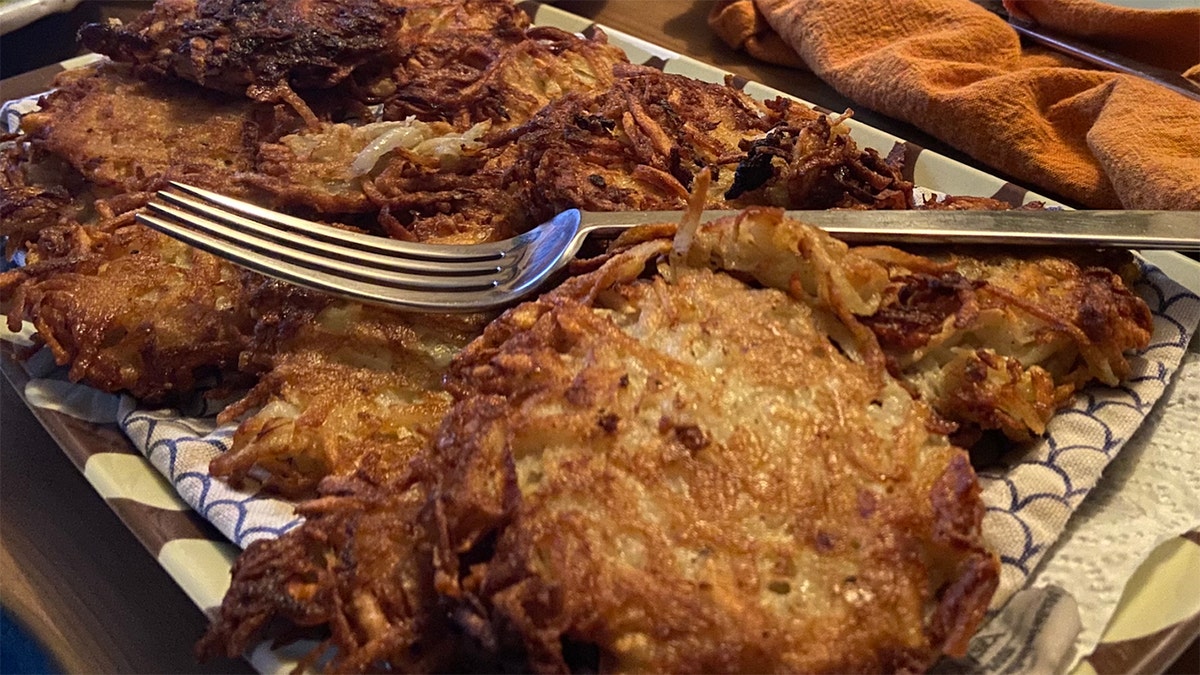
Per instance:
(1092,54)
(1171,230)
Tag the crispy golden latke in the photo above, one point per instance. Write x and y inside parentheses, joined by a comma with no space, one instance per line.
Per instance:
(997,340)
(689,472)
(345,388)
(126,134)
(508,84)
(1002,340)
(259,45)
(430,176)
(130,310)
(361,565)
(641,143)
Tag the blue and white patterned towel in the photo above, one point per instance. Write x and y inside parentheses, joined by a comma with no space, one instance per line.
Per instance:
(181,448)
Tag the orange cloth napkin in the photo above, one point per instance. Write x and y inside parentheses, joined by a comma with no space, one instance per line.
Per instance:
(1096,138)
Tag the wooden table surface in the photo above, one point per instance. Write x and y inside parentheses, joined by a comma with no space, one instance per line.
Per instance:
(69,569)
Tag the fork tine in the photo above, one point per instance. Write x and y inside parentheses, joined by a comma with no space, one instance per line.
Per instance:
(415,300)
(261,253)
(472,266)
(323,232)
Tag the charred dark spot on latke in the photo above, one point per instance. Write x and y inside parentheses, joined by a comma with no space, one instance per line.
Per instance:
(755,169)
(921,305)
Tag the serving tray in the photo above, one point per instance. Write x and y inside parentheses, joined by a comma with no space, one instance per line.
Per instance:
(1144,635)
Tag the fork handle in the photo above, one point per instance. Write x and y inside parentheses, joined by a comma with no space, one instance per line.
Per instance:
(1172,230)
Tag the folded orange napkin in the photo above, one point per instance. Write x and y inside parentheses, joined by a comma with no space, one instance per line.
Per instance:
(1093,137)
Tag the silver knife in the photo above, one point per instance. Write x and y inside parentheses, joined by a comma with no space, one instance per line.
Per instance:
(1094,55)
(1172,230)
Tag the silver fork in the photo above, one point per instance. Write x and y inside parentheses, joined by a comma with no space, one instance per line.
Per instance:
(477,277)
